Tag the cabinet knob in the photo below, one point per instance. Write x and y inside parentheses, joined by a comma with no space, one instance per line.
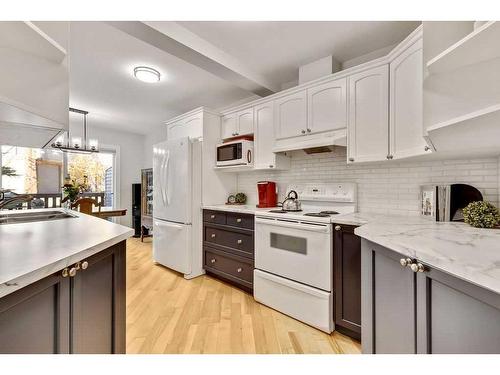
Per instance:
(236,133)
(239,242)
(389,157)
(308,130)
(72,272)
(303,132)
(239,270)
(212,260)
(271,166)
(85,265)
(65,272)
(427,148)
(233,134)
(406,262)
(417,267)
(78,265)
(351,159)
(337,227)
(212,235)
(238,220)
(212,216)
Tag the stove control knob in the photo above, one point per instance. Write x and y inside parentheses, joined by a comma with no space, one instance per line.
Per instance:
(338,227)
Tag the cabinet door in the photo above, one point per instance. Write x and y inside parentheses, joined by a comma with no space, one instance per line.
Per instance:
(368,128)
(454,316)
(98,304)
(388,302)
(290,115)
(229,125)
(406,90)
(245,122)
(194,126)
(35,319)
(175,130)
(264,136)
(327,106)
(347,281)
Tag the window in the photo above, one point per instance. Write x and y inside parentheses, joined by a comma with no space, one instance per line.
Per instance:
(35,171)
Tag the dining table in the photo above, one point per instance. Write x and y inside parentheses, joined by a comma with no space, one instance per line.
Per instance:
(107,212)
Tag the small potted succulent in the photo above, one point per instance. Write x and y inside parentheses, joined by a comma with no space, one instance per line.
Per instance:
(481,214)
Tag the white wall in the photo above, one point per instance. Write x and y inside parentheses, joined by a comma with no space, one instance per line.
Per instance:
(384,187)
(131,160)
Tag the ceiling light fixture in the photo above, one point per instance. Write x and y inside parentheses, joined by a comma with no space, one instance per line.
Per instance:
(145,74)
(66,143)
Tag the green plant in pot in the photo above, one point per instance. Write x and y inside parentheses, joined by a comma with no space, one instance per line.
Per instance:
(481,215)
(71,191)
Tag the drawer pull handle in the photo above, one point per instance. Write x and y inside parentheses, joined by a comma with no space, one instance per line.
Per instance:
(65,272)
(239,242)
(85,265)
(212,216)
(239,270)
(417,267)
(72,272)
(238,220)
(406,262)
(338,227)
(212,260)
(212,235)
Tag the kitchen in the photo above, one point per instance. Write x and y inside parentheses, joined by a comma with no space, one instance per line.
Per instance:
(321,216)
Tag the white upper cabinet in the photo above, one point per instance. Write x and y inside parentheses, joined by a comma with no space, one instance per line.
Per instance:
(238,123)
(229,126)
(405,103)
(368,128)
(327,106)
(291,115)
(245,121)
(189,127)
(264,156)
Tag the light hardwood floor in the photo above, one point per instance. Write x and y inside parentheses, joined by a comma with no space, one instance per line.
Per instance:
(168,314)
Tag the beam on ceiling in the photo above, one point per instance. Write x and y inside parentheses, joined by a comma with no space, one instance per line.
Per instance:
(178,41)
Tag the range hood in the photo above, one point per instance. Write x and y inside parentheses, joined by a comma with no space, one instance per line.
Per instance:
(312,141)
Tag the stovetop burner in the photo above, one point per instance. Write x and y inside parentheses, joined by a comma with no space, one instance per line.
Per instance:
(329,212)
(283,211)
(317,214)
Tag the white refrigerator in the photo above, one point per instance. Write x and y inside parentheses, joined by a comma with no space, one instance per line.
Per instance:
(177,221)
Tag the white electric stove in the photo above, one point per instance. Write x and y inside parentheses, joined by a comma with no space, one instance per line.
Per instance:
(294,253)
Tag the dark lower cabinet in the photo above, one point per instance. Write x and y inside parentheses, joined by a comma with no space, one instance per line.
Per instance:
(347,281)
(63,314)
(423,312)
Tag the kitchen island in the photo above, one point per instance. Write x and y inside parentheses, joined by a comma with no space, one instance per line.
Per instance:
(62,285)
(429,287)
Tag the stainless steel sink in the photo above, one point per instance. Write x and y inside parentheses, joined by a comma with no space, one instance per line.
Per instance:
(30,217)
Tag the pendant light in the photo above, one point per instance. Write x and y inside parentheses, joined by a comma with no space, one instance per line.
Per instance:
(66,143)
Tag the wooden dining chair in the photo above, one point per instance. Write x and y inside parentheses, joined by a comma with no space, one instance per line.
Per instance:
(86,205)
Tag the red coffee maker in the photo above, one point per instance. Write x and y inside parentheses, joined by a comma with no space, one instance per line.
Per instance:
(268,196)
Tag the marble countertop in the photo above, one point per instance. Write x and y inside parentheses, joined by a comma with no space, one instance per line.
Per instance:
(244,209)
(31,251)
(472,254)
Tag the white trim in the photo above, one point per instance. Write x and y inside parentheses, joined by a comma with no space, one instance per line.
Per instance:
(116,173)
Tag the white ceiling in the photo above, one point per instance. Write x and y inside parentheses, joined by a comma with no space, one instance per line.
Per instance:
(277,49)
(102,58)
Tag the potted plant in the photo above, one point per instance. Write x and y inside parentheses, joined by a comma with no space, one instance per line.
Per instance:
(481,214)
(71,191)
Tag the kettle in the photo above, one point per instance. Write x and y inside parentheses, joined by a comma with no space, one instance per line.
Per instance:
(291,203)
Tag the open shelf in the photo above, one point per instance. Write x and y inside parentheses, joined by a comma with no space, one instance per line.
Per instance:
(492,112)
(27,37)
(480,45)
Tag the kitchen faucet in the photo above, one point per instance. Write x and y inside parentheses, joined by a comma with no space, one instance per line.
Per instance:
(19,198)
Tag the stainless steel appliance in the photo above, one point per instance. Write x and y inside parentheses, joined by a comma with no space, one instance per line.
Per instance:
(235,153)
(293,253)
(445,202)
(291,202)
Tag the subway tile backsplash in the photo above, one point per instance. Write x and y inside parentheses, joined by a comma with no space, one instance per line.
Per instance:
(389,187)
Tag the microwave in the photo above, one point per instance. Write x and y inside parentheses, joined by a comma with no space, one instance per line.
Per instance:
(239,152)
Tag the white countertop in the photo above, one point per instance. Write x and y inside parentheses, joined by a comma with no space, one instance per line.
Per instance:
(31,251)
(471,254)
(244,209)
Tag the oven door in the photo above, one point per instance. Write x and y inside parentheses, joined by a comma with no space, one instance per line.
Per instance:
(300,251)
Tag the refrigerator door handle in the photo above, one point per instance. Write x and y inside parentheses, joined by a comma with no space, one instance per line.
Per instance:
(162,178)
(167,168)
(170,225)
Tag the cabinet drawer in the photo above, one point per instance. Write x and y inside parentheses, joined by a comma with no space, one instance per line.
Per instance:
(240,220)
(242,242)
(217,217)
(235,266)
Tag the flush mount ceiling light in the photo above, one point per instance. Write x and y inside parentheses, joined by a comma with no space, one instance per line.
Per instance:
(146,74)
